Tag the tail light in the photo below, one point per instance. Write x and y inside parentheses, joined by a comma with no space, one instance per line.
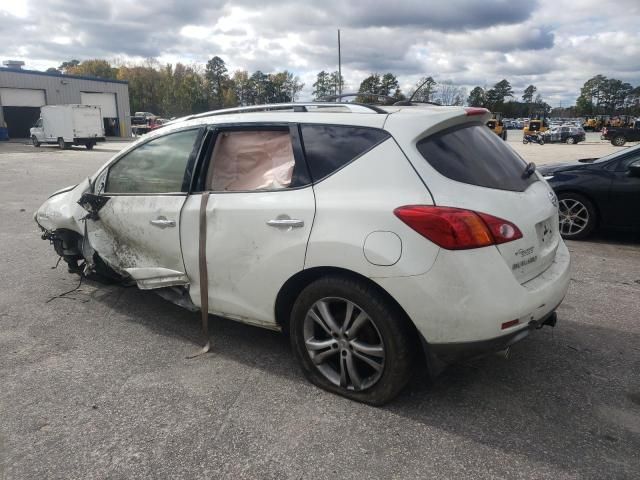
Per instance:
(473,111)
(456,228)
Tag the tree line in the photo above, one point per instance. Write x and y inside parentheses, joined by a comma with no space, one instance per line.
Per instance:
(608,96)
(176,90)
(598,96)
(495,99)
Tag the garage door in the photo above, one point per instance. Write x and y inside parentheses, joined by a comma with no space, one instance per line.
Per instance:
(106,102)
(21,97)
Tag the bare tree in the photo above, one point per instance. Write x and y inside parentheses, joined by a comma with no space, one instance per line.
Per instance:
(447,93)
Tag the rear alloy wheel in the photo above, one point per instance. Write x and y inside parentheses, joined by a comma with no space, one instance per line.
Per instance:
(350,341)
(35,141)
(577,216)
(570,141)
(618,141)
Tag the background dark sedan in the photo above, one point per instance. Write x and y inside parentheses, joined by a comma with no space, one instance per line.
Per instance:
(564,134)
(597,193)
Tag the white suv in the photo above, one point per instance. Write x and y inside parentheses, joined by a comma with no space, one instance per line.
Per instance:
(375,236)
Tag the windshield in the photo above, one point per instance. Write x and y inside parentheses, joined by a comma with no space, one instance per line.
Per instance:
(617,154)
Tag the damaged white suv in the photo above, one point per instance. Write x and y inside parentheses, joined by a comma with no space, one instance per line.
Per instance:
(377,237)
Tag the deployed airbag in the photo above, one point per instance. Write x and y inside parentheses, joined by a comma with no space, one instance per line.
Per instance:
(251,160)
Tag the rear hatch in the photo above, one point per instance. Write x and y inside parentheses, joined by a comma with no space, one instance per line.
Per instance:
(87,121)
(467,166)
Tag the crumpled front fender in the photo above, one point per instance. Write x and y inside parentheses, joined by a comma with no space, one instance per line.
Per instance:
(61,210)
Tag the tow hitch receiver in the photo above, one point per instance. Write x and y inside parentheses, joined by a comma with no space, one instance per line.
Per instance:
(551,320)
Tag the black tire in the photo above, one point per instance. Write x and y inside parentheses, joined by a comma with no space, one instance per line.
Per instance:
(34,141)
(618,141)
(504,135)
(89,145)
(524,140)
(592,215)
(389,325)
(570,141)
(540,140)
(61,143)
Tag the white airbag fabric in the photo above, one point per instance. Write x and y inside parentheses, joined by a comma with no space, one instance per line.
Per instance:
(254,160)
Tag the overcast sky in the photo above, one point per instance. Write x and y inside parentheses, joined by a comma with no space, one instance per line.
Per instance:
(554,44)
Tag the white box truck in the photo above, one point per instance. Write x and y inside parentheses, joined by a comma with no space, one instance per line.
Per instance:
(68,125)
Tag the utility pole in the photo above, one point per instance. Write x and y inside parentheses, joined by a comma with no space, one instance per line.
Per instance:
(339,67)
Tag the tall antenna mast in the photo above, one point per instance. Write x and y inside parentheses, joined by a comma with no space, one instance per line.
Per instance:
(339,66)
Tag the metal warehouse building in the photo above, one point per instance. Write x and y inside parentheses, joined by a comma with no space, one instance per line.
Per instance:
(23,92)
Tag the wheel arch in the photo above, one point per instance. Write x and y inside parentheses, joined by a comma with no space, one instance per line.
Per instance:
(294,285)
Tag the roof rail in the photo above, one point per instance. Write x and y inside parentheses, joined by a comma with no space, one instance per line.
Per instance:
(333,98)
(396,102)
(295,106)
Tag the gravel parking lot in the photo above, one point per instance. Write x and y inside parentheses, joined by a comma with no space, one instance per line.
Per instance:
(96,384)
(593,147)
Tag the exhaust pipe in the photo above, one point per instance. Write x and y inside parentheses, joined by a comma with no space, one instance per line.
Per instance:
(504,353)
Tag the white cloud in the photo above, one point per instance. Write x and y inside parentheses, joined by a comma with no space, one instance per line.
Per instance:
(554,44)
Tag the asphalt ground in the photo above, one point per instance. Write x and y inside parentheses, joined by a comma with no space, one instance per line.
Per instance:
(95,384)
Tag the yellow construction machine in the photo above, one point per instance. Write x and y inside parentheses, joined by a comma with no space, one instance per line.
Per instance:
(497,125)
(537,124)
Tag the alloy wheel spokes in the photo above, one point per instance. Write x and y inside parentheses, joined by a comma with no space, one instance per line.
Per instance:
(344,343)
(574,216)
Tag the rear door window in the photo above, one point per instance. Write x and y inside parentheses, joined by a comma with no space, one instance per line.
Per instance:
(251,160)
(330,147)
(475,155)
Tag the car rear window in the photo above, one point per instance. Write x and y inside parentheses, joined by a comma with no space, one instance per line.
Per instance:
(330,147)
(477,156)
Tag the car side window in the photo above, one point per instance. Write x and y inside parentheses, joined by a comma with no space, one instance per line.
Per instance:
(624,164)
(247,160)
(330,147)
(157,166)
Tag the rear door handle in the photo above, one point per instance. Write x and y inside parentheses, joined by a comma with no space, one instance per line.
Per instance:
(162,222)
(286,223)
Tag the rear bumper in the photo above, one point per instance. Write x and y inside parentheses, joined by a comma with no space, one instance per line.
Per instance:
(468,295)
(450,352)
(88,139)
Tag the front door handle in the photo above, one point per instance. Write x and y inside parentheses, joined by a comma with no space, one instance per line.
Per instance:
(162,222)
(286,223)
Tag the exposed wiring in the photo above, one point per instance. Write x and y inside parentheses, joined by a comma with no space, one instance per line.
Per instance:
(62,295)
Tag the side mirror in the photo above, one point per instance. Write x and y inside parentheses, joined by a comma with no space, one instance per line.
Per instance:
(634,169)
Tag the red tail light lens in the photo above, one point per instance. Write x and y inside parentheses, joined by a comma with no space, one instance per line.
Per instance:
(456,228)
(502,230)
(472,111)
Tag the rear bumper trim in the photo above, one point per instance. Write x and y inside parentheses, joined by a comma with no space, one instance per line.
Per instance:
(451,352)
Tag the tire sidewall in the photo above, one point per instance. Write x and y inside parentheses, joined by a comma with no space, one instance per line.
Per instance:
(395,338)
(618,141)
